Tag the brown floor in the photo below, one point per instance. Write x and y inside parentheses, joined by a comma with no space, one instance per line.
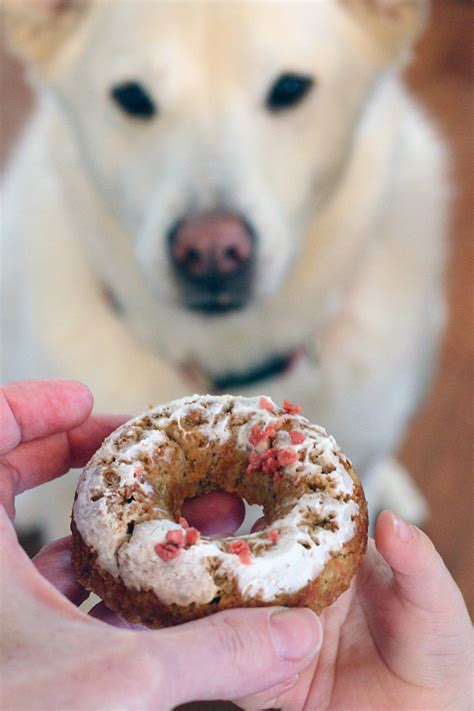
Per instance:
(437,449)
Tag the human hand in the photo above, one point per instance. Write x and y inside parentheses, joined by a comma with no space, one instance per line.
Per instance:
(399,638)
(56,656)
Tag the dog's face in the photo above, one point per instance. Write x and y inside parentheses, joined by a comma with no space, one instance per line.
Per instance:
(238,113)
(216,133)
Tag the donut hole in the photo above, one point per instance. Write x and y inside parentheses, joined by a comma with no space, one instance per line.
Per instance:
(254,520)
(216,513)
(193,474)
(222,505)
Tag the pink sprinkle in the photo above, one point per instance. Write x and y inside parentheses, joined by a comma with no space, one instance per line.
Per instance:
(271,466)
(273,535)
(241,549)
(183,523)
(266,404)
(269,431)
(269,453)
(255,461)
(296,437)
(256,435)
(290,408)
(286,457)
(167,551)
(138,471)
(192,536)
(176,537)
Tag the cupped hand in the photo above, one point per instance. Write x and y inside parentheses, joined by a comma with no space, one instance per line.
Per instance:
(400,638)
(56,656)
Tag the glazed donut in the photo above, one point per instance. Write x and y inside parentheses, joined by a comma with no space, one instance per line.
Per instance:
(133,548)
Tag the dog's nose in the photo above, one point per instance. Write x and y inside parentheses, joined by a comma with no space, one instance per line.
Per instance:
(212,255)
(210,247)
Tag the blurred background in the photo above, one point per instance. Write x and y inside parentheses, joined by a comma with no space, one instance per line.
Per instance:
(438,448)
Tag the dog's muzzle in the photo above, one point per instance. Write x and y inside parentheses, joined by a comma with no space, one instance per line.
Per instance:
(212,256)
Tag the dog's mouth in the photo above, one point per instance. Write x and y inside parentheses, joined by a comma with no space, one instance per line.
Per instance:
(214,308)
(216,295)
(215,302)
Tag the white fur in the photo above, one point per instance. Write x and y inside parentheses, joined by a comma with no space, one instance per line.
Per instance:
(347,193)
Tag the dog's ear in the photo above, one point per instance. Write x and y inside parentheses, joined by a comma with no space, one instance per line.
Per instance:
(394,24)
(37,28)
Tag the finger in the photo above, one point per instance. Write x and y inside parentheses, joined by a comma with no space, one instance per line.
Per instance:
(54,563)
(237,652)
(416,613)
(36,462)
(259,524)
(25,593)
(268,699)
(85,440)
(216,513)
(291,694)
(35,409)
(101,612)
(421,578)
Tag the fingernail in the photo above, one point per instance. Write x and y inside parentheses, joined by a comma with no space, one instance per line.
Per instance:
(403,530)
(296,633)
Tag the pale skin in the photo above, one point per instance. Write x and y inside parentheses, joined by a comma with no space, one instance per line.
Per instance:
(399,638)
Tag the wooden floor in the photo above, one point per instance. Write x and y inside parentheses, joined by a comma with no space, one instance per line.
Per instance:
(438,449)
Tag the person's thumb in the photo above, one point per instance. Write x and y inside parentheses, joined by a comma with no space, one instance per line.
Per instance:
(234,653)
(421,578)
(415,610)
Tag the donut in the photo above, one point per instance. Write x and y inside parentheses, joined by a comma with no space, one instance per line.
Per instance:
(133,548)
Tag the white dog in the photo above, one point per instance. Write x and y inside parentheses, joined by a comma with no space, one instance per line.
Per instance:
(229,196)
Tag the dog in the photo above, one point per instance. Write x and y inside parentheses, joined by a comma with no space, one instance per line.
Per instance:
(232,196)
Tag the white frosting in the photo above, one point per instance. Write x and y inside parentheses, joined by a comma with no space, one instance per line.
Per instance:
(185,579)
(283,567)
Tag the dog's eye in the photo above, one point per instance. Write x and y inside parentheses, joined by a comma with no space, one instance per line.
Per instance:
(133,99)
(287,91)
